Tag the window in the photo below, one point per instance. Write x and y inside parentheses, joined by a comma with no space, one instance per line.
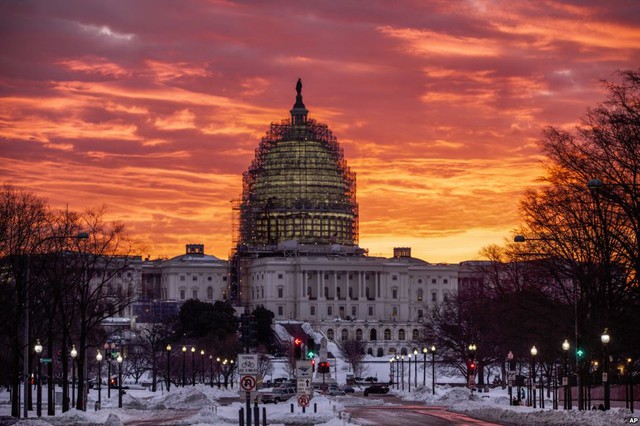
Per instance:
(354,310)
(280,310)
(313,311)
(279,276)
(195,278)
(309,291)
(420,314)
(433,281)
(433,296)
(209,278)
(394,293)
(419,280)
(224,278)
(350,292)
(326,292)
(329,310)
(415,334)
(373,334)
(446,281)
(446,297)
(330,334)
(387,334)
(419,295)
(394,277)
(344,334)
(194,293)
(182,278)
(280,292)
(209,292)
(359,334)
(380,352)
(350,276)
(183,294)
(326,276)
(394,311)
(338,292)
(401,334)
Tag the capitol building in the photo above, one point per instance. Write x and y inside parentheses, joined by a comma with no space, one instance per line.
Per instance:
(296,251)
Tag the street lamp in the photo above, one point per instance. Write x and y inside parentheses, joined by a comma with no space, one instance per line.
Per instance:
(472,371)
(565,380)
(402,366)
(119,360)
(38,349)
(415,368)
(409,363)
(184,360)
(391,373)
(99,359)
(433,368)
(424,366)
(168,368)
(605,369)
(202,365)
(193,365)
(211,369)
(224,367)
(510,375)
(231,371)
(532,392)
(218,370)
(74,354)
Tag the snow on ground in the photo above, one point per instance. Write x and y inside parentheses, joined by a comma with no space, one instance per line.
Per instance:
(203,405)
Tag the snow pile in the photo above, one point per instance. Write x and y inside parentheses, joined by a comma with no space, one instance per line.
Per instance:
(182,398)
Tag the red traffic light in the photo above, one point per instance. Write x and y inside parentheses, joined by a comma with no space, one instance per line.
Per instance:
(297,341)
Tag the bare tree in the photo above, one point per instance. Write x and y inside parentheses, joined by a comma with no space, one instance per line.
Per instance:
(353,351)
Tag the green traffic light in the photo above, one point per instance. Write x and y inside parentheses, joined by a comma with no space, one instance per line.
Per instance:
(310,354)
(580,353)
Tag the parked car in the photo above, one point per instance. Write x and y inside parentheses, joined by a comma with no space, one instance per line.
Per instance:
(348,389)
(376,388)
(277,395)
(335,392)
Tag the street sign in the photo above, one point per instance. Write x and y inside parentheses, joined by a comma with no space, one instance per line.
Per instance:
(303,401)
(45,360)
(303,369)
(247,383)
(248,364)
(304,387)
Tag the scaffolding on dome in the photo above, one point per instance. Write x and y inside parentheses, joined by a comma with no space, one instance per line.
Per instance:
(299,187)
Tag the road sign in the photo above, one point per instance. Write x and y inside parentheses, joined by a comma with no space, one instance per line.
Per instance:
(303,369)
(303,401)
(247,383)
(248,364)
(45,360)
(304,386)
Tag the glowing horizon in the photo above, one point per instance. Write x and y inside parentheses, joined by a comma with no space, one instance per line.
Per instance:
(155,109)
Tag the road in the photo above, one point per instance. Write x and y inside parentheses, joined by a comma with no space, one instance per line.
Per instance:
(408,414)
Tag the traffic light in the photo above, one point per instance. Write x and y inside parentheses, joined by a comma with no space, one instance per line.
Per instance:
(311,348)
(297,347)
(580,353)
(313,365)
(471,367)
(324,367)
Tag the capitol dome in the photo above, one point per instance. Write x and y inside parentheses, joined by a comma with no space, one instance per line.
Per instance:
(298,187)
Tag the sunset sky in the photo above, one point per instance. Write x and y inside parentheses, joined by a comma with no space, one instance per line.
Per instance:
(155,108)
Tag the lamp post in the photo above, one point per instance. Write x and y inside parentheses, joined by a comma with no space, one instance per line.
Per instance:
(415,368)
(226,378)
(193,365)
(231,371)
(184,363)
(402,366)
(38,349)
(532,392)
(218,370)
(409,363)
(472,373)
(565,380)
(391,372)
(108,355)
(605,338)
(168,368)
(74,354)
(211,370)
(433,369)
(510,376)
(397,368)
(99,359)
(119,360)
(424,366)
(202,366)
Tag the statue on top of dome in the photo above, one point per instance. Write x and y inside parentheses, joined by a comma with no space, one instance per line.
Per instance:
(299,86)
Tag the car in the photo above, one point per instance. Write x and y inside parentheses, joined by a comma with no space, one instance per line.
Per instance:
(277,395)
(376,388)
(348,389)
(335,392)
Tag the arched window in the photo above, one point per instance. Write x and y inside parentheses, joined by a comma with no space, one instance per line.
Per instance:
(330,334)
(370,351)
(415,334)
(392,351)
(401,335)
(380,352)
(387,334)
(373,334)
(210,292)
(345,334)
(420,295)
(403,351)
(359,334)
